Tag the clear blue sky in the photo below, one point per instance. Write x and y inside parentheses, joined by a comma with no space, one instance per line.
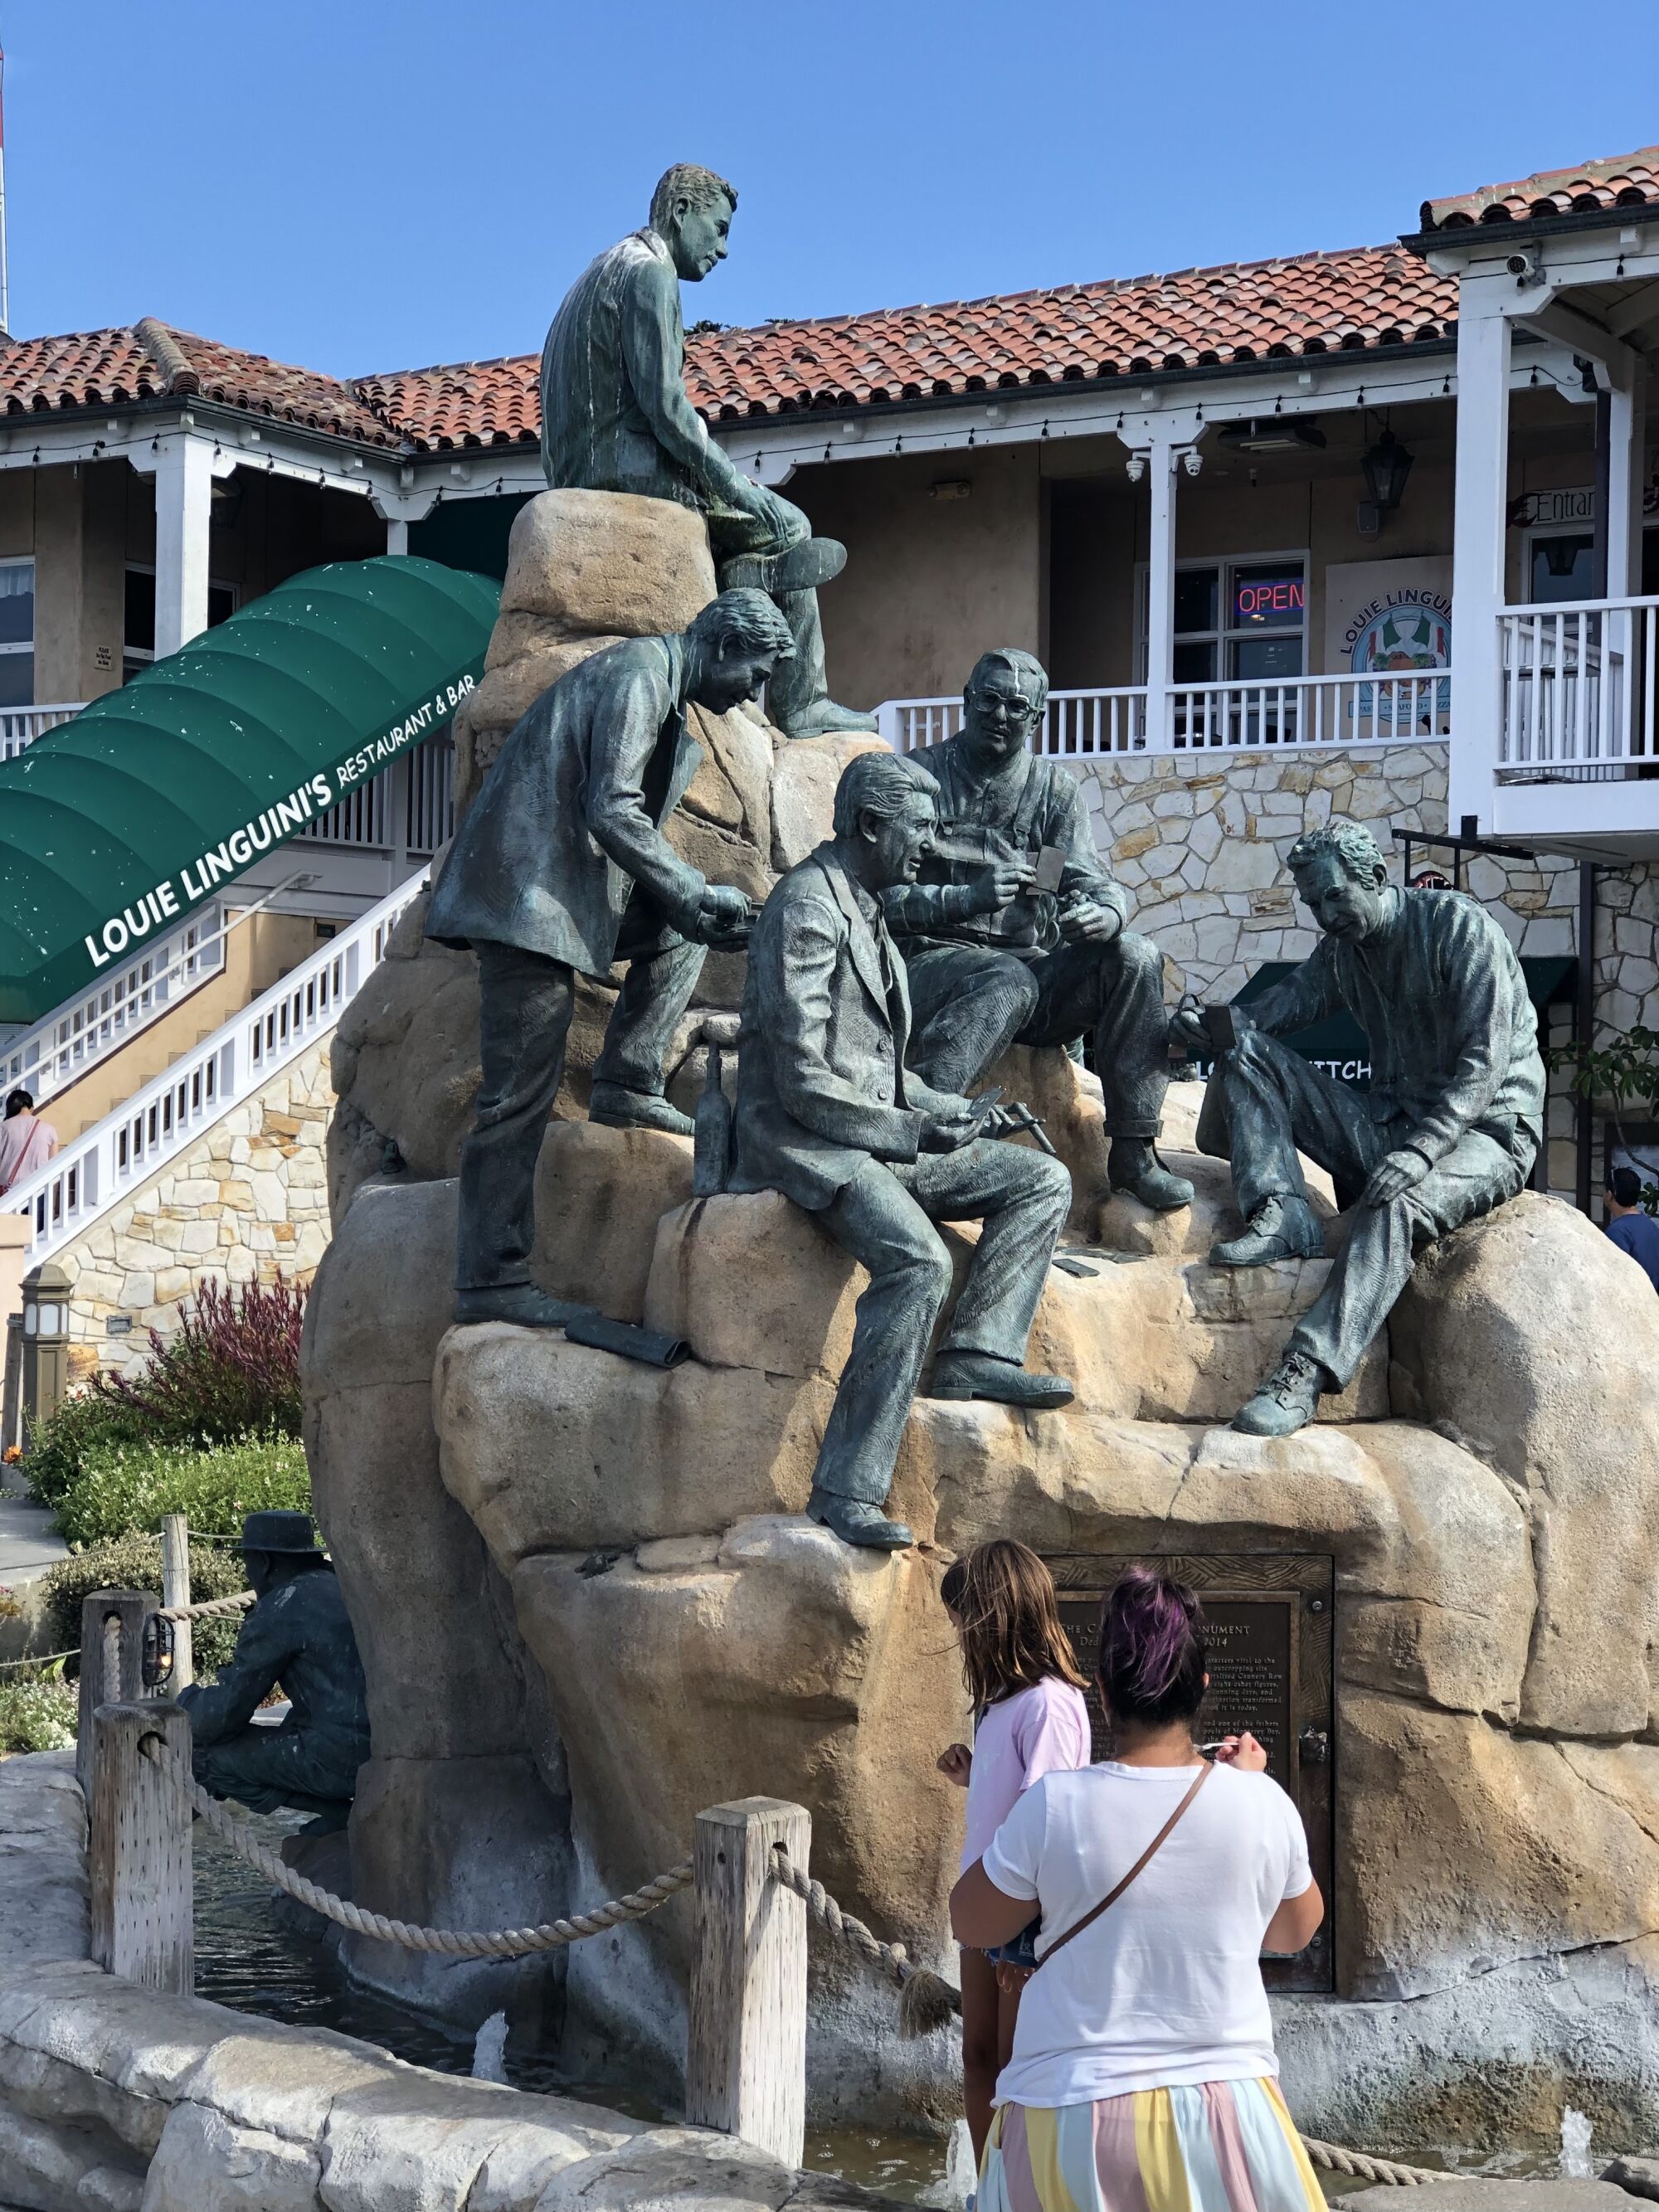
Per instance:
(356,187)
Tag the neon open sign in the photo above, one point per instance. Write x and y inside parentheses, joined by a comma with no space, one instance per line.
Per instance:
(1279,599)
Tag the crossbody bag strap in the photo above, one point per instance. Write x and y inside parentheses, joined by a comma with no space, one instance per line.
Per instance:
(1139,1868)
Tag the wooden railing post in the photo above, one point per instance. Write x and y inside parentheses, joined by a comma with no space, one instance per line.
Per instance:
(745,2070)
(111,1661)
(138,1858)
(175,1591)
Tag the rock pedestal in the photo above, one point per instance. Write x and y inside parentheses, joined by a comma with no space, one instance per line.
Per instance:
(614,1557)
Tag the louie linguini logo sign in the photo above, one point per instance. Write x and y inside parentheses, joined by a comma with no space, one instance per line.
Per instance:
(219,863)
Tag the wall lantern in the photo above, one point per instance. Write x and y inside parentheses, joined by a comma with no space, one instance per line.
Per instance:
(45,1340)
(1387,465)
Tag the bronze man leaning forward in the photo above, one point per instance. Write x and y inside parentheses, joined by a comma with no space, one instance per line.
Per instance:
(615,417)
(828,1114)
(1448,1130)
(561,867)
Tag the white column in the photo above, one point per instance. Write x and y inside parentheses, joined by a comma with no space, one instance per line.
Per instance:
(184,508)
(1478,547)
(1625,427)
(1160,592)
(397,535)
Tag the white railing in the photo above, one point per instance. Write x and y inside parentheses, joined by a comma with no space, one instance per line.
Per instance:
(58,1050)
(1300,710)
(1113,720)
(100,1168)
(1311,710)
(21,725)
(1578,690)
(411,801)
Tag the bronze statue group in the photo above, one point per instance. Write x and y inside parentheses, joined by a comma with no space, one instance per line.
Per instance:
(959,907)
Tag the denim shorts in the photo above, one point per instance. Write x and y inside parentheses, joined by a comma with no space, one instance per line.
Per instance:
(1021,1952)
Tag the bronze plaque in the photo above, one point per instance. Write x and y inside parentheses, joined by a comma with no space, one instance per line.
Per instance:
(1268,1622)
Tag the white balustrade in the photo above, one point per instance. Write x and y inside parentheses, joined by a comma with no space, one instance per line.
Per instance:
(1301,711)
(58,1050)
(21,725)
(1578,690)
(98,1168)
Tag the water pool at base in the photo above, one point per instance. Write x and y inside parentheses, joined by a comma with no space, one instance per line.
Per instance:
(250,1956)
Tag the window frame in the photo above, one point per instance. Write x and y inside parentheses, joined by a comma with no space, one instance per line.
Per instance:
(1224,637)
(144,655)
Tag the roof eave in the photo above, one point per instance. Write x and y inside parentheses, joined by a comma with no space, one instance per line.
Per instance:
(1459,235)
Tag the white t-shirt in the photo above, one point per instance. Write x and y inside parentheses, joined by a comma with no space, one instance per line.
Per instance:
(1166,1986)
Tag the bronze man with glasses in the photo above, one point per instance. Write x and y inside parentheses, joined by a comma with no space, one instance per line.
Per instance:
(1014,933)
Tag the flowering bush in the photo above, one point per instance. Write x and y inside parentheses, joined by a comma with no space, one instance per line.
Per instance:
(233,1370)
(37,1712)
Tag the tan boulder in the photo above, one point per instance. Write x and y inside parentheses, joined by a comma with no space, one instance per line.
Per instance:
(608,564)
(553,1446)
(790,1665)
(599,1195)
(753,1281)
(1467,1846)
(804,779)
(1527,1335)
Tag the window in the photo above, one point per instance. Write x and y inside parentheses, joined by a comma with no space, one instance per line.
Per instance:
(16,633)
(138,632)
(1560,567)
(1240,621)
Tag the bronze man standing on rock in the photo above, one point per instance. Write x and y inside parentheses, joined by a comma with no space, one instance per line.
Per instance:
(994,958)
(829,1115)
(561,867)
(1448,1130)
(615,417)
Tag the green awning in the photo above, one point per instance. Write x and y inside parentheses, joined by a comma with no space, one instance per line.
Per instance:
(114,826)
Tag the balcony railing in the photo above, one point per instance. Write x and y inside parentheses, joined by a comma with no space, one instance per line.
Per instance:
(1303,711)
(1579,691)
(415,795)
(96,1170)
(21,725)
(74,1037)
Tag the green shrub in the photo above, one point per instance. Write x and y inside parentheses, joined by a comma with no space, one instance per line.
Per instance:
(131,1486)
(37,1712)
(83,1426)
(133,1561)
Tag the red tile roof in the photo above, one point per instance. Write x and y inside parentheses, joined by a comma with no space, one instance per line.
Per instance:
(1621,180)
(1138,326)
(1308,304)
(152,361)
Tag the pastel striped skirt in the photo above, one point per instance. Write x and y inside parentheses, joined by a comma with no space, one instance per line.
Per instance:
(1216,2147)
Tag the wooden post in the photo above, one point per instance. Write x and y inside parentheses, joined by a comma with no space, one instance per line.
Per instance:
(745,2070)
(175,1591)
(111,1661)
(138,1849)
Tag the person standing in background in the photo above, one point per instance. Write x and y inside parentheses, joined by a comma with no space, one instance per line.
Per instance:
(1631,1229)
(26,1142)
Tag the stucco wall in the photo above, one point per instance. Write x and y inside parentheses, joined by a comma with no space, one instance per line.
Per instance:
(930,582)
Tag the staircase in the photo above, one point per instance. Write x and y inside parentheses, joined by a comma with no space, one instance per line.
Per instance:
(94,1172)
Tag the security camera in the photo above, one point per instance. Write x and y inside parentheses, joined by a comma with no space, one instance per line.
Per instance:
(1525,267)
(1192,461)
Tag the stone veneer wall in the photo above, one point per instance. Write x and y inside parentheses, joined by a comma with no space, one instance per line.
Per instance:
(1200,843)
(246,1202)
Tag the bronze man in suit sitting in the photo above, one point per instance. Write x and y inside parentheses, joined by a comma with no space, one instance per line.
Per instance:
(562,867)
(828,1114)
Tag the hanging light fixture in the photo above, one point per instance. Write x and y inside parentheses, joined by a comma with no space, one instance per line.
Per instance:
(1385,464)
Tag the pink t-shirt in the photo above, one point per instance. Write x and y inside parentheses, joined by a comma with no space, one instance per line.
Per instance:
(26,1144)
(1043,1730)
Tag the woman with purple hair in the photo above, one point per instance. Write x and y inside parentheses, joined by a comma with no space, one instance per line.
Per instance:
(1143,2077)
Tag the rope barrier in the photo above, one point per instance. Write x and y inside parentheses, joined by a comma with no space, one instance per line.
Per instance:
(496,1943)
(40,1659)
(211,1608)
(926,2001)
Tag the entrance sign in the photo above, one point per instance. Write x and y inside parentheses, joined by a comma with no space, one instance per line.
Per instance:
(1391,618)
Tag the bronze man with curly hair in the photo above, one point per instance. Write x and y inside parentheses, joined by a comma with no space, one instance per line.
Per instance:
(1448,1130)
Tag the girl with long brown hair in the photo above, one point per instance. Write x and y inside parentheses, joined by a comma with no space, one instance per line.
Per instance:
(1031,1720)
